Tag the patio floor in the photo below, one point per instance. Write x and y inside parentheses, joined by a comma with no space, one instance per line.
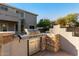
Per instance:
(48,53)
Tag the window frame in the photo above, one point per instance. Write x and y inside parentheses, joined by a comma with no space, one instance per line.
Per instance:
(4,8)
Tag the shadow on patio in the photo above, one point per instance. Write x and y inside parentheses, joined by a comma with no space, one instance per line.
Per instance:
(66,49)
(49,53)
(67,46)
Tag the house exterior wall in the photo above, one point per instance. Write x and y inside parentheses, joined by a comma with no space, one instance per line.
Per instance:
(4,15)
(30,20)
(11,14)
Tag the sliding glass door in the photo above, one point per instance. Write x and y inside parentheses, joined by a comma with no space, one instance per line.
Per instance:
(4,27)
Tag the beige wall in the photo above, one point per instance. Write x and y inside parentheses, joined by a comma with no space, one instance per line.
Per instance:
(68,42)
(19,48)
(14,48)
(30,20)
(12,10)
(6,15)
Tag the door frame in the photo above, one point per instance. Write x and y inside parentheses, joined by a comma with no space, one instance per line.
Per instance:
(6,25)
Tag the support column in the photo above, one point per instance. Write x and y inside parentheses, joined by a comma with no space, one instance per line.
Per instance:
(19,26)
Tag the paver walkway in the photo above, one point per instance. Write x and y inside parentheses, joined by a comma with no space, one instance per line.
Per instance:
(48,53)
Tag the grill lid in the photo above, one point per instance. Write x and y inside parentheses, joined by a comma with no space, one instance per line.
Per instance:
(32,31)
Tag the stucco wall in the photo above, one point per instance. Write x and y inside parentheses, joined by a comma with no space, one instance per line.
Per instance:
(6,15)
(19,48)
(68,42)
(14,48)
(30,20)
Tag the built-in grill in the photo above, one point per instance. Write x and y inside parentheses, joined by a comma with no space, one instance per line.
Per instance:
(30,42)
(32,32)
(34,41)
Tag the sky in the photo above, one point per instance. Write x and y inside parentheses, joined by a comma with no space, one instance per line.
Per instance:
(50,11)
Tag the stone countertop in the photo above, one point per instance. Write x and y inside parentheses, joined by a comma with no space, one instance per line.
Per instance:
(28,37)
(6,33)
(6,37)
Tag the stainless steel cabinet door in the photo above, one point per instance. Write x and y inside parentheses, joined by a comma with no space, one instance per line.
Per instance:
(34,45)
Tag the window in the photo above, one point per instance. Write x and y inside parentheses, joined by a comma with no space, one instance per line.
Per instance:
(20,13)
(17,11)
(4,8)
(31,27)
(4,27)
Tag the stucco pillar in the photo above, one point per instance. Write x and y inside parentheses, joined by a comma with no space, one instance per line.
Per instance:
(19,26)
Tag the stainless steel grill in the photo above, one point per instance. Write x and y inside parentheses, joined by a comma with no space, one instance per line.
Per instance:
(33,32)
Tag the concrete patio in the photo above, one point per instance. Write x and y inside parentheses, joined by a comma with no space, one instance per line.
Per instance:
(48,53)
